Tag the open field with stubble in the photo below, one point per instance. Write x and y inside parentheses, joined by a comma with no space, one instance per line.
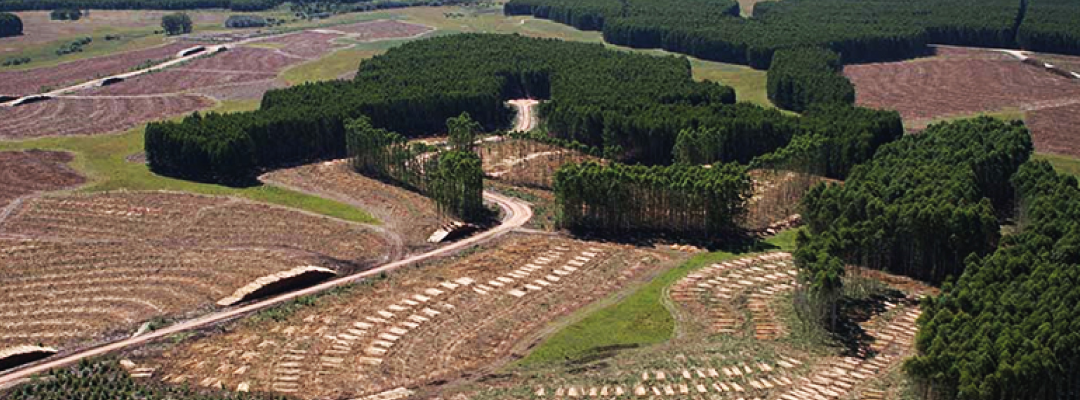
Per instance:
(419,326)
(84,265)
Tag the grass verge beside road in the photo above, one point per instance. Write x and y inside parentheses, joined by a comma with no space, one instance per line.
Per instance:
(638,319)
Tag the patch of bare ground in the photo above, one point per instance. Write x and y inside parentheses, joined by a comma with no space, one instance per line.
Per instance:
(20,83)
(525,162)
(26,172)
(417,327)
(80,267)
(959,82)
(87,116)
(1056,129)
(776,197)
(740,341)
(408,213)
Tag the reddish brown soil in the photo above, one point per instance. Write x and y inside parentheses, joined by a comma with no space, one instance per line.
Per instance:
(78,267)
(383,29)
(87,116)
(960,82)
(1056,130)
(25,172)
(309,45)
(18,83)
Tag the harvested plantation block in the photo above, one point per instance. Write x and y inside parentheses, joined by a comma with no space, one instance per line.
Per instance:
(408,213)
(26,172)
(91,265)
(960,83)
(21,83)
(381,29)
(415,327)
(1056,129)
(724,292)
(73,115)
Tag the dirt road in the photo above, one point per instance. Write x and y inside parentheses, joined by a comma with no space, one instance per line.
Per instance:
(516,212)
(526,119)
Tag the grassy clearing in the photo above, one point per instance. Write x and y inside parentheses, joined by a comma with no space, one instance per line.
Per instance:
(639,319)
(1063,164)
(327,68)
(103,159)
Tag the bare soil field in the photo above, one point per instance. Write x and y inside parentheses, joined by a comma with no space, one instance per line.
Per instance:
(38,28)
(526,162)
(383,29)
(959,82)
(307,45)
(417,327)
(20,83)
(83,266)
(26,172)
(735,340)
(1057,129)
(236,68)
(86,115)
(407,213)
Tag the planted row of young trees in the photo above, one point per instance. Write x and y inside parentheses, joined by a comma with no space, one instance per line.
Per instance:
(680,199)
(919,207)
(454,178)
(1009,328)
(107,380)
(600,97)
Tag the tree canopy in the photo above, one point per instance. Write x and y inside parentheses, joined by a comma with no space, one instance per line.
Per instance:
(176,24)
(10,25)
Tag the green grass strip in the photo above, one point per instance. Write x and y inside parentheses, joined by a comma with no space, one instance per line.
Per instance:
(638,319)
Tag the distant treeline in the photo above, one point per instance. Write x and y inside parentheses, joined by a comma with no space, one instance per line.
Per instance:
(414,88)
(1010,326)
(858,30)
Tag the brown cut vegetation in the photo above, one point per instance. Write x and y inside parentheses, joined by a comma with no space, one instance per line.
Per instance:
(960,82)
(1057,129)
(417,327)
(87,116)
(26,172)
(407,213)
(526,162)
(82,266)
(20,83)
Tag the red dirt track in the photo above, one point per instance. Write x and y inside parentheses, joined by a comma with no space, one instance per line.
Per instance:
(84,116)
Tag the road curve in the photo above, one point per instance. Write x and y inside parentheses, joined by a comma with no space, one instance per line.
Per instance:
(516,212)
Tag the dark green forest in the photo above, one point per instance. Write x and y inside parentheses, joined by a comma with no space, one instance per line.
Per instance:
(919,207)
(414,88)
(1009,328)
(10,25)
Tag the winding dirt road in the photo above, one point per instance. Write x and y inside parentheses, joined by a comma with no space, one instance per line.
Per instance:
(516,212)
